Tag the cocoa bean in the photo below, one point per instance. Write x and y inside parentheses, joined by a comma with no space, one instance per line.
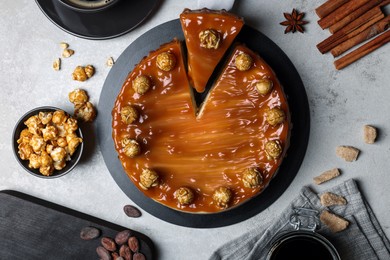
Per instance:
(89,233)
(103,253)
(108,243)
(133,244)
(114,255)
(122,237)
(132,211)
(125,252)
(139,256)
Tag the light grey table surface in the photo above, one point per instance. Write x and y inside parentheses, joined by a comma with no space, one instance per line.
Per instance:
(341,102)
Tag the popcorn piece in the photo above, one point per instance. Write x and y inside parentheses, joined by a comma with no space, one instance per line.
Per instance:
(59,117)
(25,151)
(57,64)
(78,96)
(326,176)
(25,137)
(110,62)
(89,70)
(85,112)
(81,73)
(66,53)
(334,222)
(348,153)
(64,45)
(369,134)
(331,199)
(45,117)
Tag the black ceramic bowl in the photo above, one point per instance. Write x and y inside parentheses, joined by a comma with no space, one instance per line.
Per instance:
(24,163)
(88,6)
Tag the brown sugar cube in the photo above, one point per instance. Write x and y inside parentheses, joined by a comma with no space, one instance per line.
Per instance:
(348,153)
(326,176)
(331,199)
(334,222)
(369,134)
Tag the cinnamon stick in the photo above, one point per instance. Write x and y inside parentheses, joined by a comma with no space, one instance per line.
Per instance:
(340,13)
(368,33)
(352,29)
(355,14)
(328,7)
(362,51)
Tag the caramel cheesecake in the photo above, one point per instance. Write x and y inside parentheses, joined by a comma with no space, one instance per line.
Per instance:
(206,159)
(208,34)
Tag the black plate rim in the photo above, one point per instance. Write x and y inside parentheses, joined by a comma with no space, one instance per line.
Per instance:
(42,4)
(300,117)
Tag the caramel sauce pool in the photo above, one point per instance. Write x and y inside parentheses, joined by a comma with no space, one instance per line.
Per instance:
(206,151)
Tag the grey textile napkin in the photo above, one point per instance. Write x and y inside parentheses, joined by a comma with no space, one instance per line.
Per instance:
(363,239)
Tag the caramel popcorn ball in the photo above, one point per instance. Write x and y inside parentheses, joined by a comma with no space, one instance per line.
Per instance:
(252,178)
(273,149)
(148,179)
(222,196)
(275,116)
(86,112)
(184,195)
(48,141)
(244,62)
(129,114)
(131,147)
(264,86)
(141,84)
(78,97)
(166,61)
(209,39)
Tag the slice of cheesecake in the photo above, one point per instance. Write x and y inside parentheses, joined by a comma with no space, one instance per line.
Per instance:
(208,34)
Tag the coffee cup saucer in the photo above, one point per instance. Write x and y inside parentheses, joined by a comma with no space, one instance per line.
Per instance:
(109,23)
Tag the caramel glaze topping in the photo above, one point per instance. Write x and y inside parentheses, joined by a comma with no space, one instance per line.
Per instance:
(202,61)
(206,151)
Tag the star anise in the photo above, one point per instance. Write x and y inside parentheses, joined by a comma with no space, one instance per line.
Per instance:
(294,21)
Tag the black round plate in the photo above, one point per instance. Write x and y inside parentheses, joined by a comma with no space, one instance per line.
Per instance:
(300,118)
(105,24)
